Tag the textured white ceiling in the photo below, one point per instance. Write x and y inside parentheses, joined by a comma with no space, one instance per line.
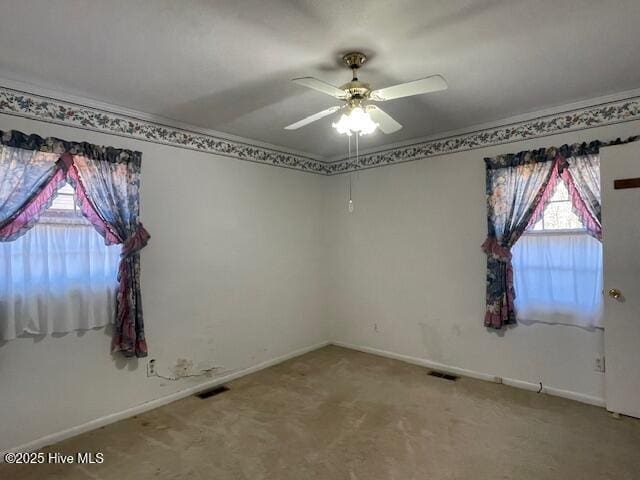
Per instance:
(226,65)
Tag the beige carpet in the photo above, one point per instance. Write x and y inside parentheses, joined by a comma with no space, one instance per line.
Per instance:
(339,414)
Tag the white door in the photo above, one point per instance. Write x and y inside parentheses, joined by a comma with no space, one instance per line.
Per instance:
(621,256)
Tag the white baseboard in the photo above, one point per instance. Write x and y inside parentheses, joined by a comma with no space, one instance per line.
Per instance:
(512,382)
(150,405)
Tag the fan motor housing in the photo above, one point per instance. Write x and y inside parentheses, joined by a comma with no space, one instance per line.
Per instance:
(357,89)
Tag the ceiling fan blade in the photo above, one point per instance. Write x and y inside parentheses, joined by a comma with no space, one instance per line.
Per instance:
(385,122)
(430,84)
(312,118)
(320,86)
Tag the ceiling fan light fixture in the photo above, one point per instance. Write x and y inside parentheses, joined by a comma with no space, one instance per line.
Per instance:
(362,117)
(357,121)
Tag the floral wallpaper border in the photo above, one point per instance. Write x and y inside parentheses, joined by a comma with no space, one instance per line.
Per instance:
(578,119)
(23,104)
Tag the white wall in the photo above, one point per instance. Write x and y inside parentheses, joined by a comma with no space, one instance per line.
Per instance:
(409,260)
(231,277)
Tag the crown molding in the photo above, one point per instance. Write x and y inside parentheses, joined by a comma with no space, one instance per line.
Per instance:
(619,108)
(35,103)
(91,115)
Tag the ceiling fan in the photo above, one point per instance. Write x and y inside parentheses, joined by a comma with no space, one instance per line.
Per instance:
(361,116)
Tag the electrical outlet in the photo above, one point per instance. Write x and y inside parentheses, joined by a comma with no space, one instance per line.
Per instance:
(375,327)
(351,207)
(151,368)
(599,364)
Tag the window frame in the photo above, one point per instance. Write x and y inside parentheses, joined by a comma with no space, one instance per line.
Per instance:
(555,231)
(67,216)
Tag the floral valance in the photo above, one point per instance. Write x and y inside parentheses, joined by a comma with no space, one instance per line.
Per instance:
(551,153)
(16,139)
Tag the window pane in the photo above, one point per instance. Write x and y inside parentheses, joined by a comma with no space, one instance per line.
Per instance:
(560,193)
(63,202)
(64,208)
(66,189)
(560,216)
(65,199)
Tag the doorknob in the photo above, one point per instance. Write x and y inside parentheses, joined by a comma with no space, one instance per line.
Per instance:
(615,293)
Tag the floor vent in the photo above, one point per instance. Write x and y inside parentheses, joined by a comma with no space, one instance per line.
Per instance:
(445,376)
(212,392)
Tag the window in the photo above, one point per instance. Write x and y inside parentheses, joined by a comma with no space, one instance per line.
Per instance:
(64,208)
(558,268)
(65,202)
(558,215)
(59,276)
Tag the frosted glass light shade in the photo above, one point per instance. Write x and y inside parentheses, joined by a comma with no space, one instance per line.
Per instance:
(357,121)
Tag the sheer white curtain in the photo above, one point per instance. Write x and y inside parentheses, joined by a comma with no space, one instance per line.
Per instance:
(56,278)
(558,279)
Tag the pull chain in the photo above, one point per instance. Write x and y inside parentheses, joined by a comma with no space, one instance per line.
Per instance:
(351,176)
